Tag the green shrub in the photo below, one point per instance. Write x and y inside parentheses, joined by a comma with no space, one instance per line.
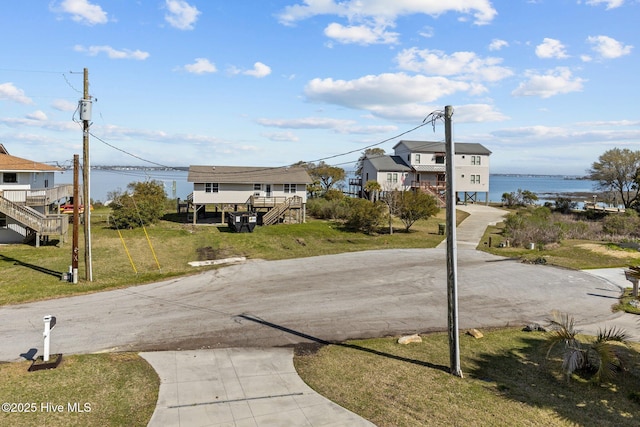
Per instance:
(625,224)
(364,215)
(321,208)
(142,204)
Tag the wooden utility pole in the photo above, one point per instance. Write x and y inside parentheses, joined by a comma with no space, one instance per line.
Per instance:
(452,247)
(85,116)
(76,219)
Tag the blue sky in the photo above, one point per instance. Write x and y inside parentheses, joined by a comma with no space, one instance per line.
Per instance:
(546,85)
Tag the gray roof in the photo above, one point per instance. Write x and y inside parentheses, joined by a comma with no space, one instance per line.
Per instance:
(389,163)
(439,147)
(430,168)
(248,175)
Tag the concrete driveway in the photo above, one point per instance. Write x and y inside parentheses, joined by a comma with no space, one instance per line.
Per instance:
(326,298)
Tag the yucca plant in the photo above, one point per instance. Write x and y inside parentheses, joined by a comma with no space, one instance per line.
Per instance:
(597,355)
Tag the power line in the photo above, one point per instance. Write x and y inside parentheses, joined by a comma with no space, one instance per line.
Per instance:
(244,171)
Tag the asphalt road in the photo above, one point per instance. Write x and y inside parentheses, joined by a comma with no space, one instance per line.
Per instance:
(274,303)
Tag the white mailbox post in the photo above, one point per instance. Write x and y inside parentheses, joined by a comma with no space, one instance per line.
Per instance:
(49,324)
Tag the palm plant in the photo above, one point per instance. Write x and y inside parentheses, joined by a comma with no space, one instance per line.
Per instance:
(597,354)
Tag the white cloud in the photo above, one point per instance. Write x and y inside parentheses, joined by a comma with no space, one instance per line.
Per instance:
(181,15)
(112,53)
(384,10)
(576,133)
(611,4)
(38,115)
(35,122)
(427,32)
(259,70)
(367,21)
(498,44)
(556,81)
(551,48)
(307,123)
(608,48)
(84,12)
(336,125)
(478,113)
(11,93)
(416,112)
(280,136)
(201,66)
(360,34)
(370,92)
(466,65)
(64,105)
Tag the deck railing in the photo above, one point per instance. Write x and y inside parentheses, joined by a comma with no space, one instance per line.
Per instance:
(38,196)
(44,224)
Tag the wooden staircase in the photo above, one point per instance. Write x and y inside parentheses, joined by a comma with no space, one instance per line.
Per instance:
(280,209)
(32,221)
(437,191)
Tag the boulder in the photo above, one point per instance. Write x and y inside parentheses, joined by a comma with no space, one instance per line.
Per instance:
(409,339)
(475,333)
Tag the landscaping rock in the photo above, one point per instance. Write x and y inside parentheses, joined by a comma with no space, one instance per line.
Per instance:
(475,333)
(409,339)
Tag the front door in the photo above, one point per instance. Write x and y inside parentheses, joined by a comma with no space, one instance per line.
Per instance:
(267,189)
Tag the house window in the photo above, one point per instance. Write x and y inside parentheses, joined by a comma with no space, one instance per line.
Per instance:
(9,177)
(290,188)
(440,160)
(211,187)
(475,160)
(392,177)
(417,158)
(389,177)
(257,187)
(475,179)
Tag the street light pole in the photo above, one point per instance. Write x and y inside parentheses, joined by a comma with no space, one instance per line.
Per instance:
(452,249)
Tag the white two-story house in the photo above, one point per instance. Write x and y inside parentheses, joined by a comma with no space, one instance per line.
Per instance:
(272,192)
(421,165)
(29,200)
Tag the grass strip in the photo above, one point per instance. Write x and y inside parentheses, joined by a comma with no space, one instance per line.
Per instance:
(508,382)
(115,389)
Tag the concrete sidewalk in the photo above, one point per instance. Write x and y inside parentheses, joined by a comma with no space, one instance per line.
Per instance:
(629,322)
(470,231)
(239,387)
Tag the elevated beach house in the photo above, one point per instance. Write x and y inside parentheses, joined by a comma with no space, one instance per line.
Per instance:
(276,194)
(29,201)
(420,166)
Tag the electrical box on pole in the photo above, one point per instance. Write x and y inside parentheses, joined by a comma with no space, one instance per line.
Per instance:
(85,109)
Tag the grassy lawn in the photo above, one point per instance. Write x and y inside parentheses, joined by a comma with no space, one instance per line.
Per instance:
(575,254)
(508,382)
(110,389)
(31,274)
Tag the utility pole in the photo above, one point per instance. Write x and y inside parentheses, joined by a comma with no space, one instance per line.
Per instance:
(76,219)
(85,116)
(452,247)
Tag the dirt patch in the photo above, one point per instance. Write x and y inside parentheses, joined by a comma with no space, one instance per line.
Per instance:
(307,348)
(208,253)
(605,250)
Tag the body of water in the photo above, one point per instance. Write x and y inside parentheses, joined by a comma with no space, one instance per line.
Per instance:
(105,181)
(545,186)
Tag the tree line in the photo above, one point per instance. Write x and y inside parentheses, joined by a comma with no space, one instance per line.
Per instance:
(616,171)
